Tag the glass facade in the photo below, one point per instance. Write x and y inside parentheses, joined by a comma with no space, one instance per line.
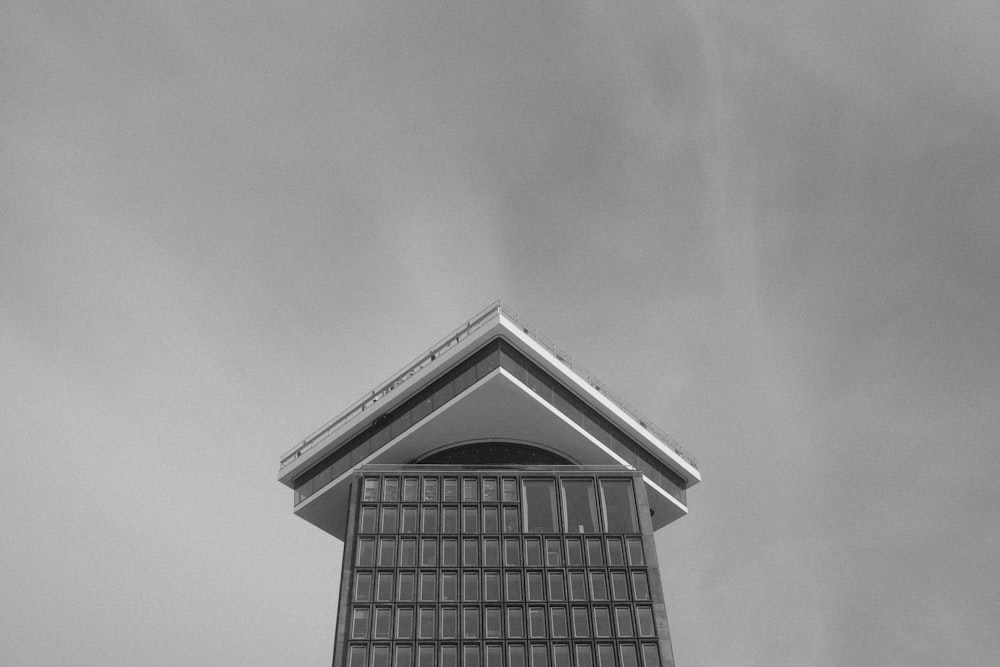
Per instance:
(455,567)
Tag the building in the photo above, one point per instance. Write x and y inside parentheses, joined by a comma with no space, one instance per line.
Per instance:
(497,505)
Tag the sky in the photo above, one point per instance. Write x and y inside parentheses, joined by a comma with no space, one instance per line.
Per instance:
(772,227)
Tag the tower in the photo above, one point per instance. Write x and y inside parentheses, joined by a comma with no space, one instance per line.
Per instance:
(497,505)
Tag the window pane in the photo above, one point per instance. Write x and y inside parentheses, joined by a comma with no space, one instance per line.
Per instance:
(605,655)
(535,586)
(449,552)
(532,551)
(650,655)
(470,623)
(368,515)
(619,505)
(595,555)
(491,551)
(539,656)
(366,551)
(449,622)
(619,586)
(581,506)
(623,619)
(585,656)
(577,586)
(493,628)
(359,626)
(470,551)
(515,655)
(629,657)
(536,621)
(363,587)
(407,587)
(616,555)
(449,656)
(492,586)
(491,519)
(509,490)
(470,586)
(470,655)
(404,623)
(494,655)
(425,656)
(387,551)
(560,655)
(557,586)
(470,489)
(451,489)
(426,627)
(449,586)
(410,489)
(383,590)
(644,616)
(581,622)
(380,656)
(641,584)
(510,522)
(602,622)
(428,587)
(470,519)
(449,520)
(539,505)
(490,489)
(383,623)
(404,656)
(430,520)
(514,593)
(428,552)
(390,519)
(515,622)
(560,624)
(574,551)
(407,552)
(359,656)
(430,489)
(553,552)
(391,490)
(635,556)
(511,551)
(598,586)
(371,490)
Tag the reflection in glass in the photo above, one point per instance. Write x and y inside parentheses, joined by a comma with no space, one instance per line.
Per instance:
(509,490)
(430,489)
(411,491)
(510,522)
(470,489)
(450,489)
(490,489)
(370,494)
(391,490)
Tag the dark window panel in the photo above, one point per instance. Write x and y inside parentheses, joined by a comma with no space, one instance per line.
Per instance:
(581,506)
(407,586)
(449,622)
(380,656)
(449,586)
(560,655)
(390,519)
(650,655)
(411,489)
(619,506)
(558,622)
(635,553)
(595,554)
(619,586)
(470,622)
(387,552)
(425,628)
(557,586)
(536,592)
(470,655)
(359,623)
(491,519)
(640,583)
(605,655)
(598,586)
(581,622)
(430,519)
(616,554)
(450,489)
(390,489)
(574,551)
(532,551)
(515,655)
(623,621)
(644,618)
(449,552)
(585,655)
(628,655)
(407,552)
(449,520)
(536,622)
(425,656)
(539,655)
(449,655)
(553,551)
(515,622)
(539,505)
(404,623)
(409,520)
(383,623)
(602,622)
(363,587)
(383,587)
(368,520)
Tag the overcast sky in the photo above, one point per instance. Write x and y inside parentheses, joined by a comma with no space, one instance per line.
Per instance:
(774,228)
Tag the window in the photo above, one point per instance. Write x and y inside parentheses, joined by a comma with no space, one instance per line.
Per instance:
(425,656)
(580,502)
(410,489)
(449,586)
(574,551)
(391,490)
(363,587)
(514,587)
(366,551)
(383,589)
(585,656)
(449,655)
(449,623)
(368,515)
(536,622)
(629,657)
(493,629)
(577,586)
(425,627)
(598,586)
(470,519)
(490,489)
(532,551)
(494,655)
(359,656)
(371,489)
(595,555)
(491,552)
(404,656)
(430,520)
(510,522)
(605,655)
(515,655)
(553,552)
(449,552)
(536,591)
(559,622)
(407,552)
(428,552)
(557,586)
(470,489)
(491,585)
(602,622)
(449,520)
(509,490)
(650,655)
(616,555)
(359,625)
(470,655)
(387,551)
(404,623)
(581,622)
(451,489)
(491,519)
(539,505)
(641,584)
(644,618)
(470,586)
(390,519)
(515,622)
(619,505)
(470,551)
(383,623)
(511,551)
(635,556)
(539,656)
(380,656)
(560,655)
(407,587)
(470,623)
(428,587)
(623,619)
(619,586)
(430,489)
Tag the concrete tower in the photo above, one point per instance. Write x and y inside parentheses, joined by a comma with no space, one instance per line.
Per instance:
(497,506)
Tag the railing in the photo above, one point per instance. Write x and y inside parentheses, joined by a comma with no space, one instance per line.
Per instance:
(382,390)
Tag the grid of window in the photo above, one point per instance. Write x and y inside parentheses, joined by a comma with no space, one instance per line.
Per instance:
(495,354)
(507,569)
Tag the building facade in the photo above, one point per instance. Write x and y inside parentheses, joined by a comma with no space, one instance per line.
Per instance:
(497,506)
